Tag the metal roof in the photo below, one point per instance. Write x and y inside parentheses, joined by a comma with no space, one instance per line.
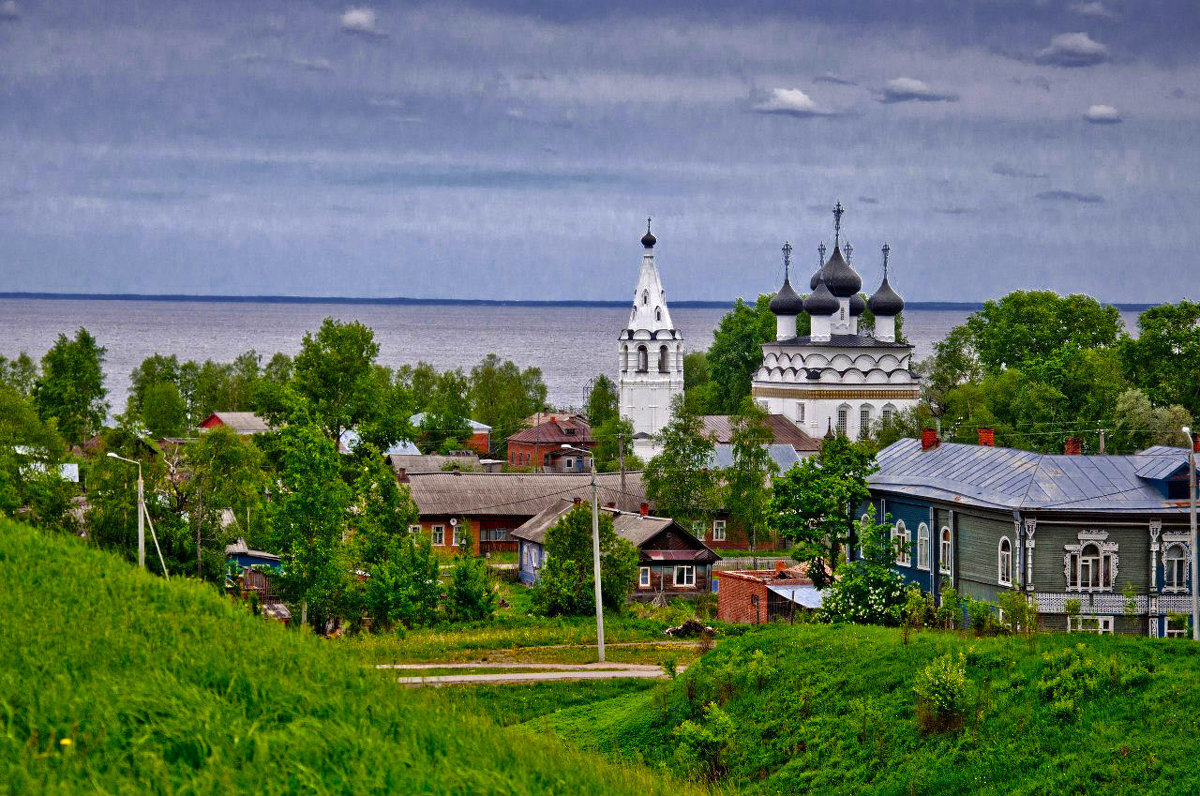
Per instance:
(1003,478)
(635,528)
(804,596)
(783,455)
(861,340)
(516,494)
(350,439)
(475,426)
(1161,461)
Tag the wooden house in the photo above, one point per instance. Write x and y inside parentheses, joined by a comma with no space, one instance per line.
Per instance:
(1060,528)
(671,561)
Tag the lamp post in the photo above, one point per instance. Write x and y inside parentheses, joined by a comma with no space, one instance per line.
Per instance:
(595,556)
(141,498)
(1192,536)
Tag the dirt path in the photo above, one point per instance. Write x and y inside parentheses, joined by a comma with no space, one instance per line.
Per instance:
(552,671)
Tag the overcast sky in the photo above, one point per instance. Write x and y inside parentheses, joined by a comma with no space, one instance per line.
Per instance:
(514,150)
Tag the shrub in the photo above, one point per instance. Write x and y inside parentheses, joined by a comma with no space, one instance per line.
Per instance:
(864,593)
(1020,614)
(469,595)
(1068,677)
(949,613)
(941,690)
(704,746)
(981,615)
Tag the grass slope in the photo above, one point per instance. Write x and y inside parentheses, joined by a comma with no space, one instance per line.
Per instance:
(114,681)
(837,715)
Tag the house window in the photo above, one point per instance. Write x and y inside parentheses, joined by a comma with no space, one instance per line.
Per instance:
(685,575)
(1090,624)
(644,577)
(439,534)
(570,464)
(923,546)
(494,535)
(718,530)
(842,415)
(947,551)
(456,537)
(1005,561)
(900,540)
(664,360)
(1174,568)
(643,363)
(414,529)
(1091,565)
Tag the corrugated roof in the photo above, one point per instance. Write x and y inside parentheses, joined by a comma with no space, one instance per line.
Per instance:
(516,494)
(1004,478)
(240,422)
(720,427)
(635,528)
(432,463)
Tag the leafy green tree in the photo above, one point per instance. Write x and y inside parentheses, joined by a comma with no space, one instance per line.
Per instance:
(71,390)
(1029,325)
(867,590)
(224,474)
(445,425)
(736,352)
(1164,358)
(164,412)
(278,369)
(31,453)
(308,520)
(697,386)
(814,502)
(402,586)
(334,372)
(603,403)
(746,482)
(420,380)
(20,373)
(1137,424)
(502,395)
(469,595)
(681,480)
(610,436)
(566,584)
(154,369)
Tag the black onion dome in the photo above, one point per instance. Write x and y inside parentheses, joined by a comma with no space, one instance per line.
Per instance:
(885,302)
(843,281)
(816,278)
(787,301)
(821,301)
(648,240)
(857,305)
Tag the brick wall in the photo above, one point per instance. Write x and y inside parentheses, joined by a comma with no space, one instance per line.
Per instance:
(735,598)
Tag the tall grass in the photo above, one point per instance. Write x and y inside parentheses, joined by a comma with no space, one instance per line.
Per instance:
(113,681)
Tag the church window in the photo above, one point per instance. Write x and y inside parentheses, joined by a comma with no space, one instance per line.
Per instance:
(664,360)
(900,540)
(643,363)
(1174,568)
(645,297)
(947,550)
(843,414)
(864,421)
(1091,565)
(923,546)
(1005,561)
(624,358)
(888,412)
(658,313)
(800,411)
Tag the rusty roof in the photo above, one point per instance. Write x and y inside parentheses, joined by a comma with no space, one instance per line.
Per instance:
(570,431)
(720,427)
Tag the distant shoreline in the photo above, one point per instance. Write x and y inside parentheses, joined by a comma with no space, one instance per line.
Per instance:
(402,300)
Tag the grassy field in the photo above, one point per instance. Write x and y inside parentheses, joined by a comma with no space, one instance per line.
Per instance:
(114,681)
(832,710)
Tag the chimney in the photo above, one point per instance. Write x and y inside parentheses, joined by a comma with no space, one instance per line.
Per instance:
(779,567)
(987,437)
(402,476)
(1195,443)
(576,500)
(1073,446)
(612,504)
(644,509)
(929,439)
(456,471)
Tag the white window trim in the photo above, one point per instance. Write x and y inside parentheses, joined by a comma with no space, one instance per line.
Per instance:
(1177,539)
(414,529)
(923,559)
(903,552)
(438,534)
(456,536)
(1004,576)
(1104,624)
(689,575)
(718,531)
(644,577)
(946,551)
(1071,562)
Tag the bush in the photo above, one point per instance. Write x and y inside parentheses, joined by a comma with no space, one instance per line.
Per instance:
(949,614)
(941,690)
(566,585)
(1020,614)
(864,593)
(704,747)
(469,595)
(981,615)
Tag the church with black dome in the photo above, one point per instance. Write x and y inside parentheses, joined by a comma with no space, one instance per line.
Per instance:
(839,378)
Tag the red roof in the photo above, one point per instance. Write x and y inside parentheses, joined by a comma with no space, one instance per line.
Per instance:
(555,432)
(720,427)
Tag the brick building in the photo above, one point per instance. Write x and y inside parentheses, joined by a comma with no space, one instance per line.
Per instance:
(541,447)
(758,596)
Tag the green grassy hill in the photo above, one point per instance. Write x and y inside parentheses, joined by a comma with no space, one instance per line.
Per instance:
(832,710)
(114,681)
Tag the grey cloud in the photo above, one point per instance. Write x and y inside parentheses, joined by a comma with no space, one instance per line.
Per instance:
(868,200)
(907,89)
(1094,9)
(829,77)
(1071,196)
(9,10)
(1103,114)
(307,64)
(1036,81)
(1006,170)
(1073,49)
(953,211)
(361,21)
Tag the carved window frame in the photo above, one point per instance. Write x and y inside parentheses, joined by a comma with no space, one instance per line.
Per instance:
(1176,540)
(901,539)
(923,550)
(1004,561)
(1073,562)
(946,551)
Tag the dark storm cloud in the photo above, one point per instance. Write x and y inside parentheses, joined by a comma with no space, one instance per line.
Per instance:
(1070,196)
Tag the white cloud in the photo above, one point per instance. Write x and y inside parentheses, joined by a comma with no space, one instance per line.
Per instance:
(1073,49)
(9,10)
(1094,9)
(790,102)
(361,21)
(907,89)
(1103,114)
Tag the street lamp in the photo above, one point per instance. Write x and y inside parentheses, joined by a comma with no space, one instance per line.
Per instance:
(595,555)
(1192,537)
(143,516)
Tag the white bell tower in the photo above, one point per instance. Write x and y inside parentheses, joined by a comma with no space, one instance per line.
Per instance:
(650,357)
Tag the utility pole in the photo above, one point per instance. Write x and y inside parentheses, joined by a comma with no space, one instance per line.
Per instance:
(1192,537)
(621,463)
(199,520)
(1102,433)
(141,502)
(596,565)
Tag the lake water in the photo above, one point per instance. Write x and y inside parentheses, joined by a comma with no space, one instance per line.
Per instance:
(571,344)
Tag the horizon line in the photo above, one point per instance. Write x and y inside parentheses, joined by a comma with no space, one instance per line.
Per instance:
(400,300)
